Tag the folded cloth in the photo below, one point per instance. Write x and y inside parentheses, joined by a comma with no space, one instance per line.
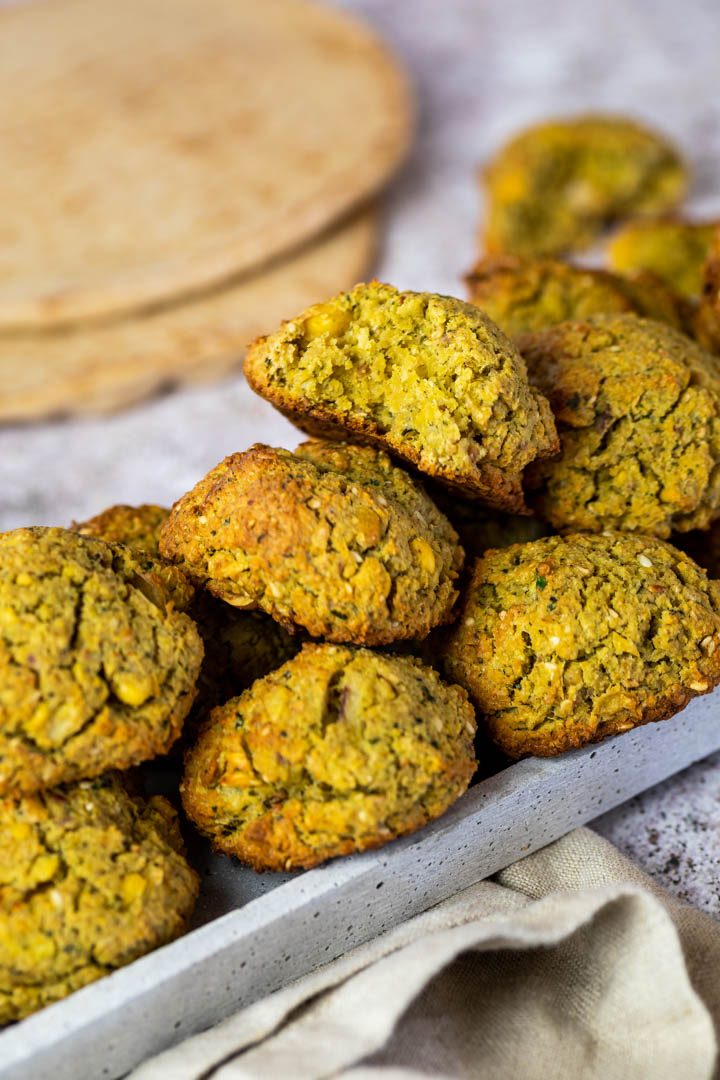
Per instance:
(570,964)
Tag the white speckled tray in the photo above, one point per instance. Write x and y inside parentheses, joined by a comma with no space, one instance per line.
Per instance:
(256,932)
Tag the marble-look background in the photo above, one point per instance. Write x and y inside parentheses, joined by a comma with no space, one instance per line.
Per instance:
(482,68)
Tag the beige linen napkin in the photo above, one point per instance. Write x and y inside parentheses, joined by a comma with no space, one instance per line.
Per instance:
(571,964)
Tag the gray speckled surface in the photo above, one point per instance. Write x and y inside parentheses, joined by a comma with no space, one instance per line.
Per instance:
(482,68)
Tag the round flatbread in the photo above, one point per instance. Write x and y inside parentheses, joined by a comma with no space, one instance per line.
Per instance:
(103,367)
(152,148)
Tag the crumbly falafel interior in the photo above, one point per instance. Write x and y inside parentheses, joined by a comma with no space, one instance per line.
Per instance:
(430,371)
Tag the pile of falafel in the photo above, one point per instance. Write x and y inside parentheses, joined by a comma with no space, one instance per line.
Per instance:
(475,533)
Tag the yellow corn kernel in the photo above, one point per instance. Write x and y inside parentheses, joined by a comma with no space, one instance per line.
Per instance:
(132,689)
(424,555)
(327,319)
(45,867)
(132,888)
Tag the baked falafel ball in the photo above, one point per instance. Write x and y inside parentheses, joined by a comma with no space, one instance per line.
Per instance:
(566,640)
(637,405)
(670,248)
(333,538)
(523,294)
(556,186)
(138,528)
(706,327)
(428,378)
(339,750)
(96,672)
(90,879)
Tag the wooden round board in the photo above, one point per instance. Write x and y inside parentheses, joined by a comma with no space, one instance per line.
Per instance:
(151,148)
(103,367)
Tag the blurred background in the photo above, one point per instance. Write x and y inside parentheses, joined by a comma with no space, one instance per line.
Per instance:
(480,70)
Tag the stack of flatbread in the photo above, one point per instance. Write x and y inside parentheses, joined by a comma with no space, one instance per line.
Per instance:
(177,176)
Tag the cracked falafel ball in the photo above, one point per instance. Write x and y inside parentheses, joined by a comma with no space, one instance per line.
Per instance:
(340,750)
(428,378)
(333,538)
(637,405)
(96,670)
(555,187)
(90,879)
(525,294)
(566,640)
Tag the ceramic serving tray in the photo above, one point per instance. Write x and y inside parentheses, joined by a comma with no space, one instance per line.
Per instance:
(255,932)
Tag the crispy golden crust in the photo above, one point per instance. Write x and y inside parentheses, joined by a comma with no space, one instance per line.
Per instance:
(339,750)
(707,322)
(96,672)
(557,185)
(670,248)
(90,879)
(138,528)
(566,640)
(427,377)
(334,538)
(523,294)
(637,406)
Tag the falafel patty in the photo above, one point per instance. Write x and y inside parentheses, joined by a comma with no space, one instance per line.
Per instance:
(524,294)
(90,879)
(333,538)
(339,750)
(637,406)
(96,672)
(427,377)
(554,187)
(566,640)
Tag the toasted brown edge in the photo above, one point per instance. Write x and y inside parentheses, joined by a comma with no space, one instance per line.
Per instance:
(518,744)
